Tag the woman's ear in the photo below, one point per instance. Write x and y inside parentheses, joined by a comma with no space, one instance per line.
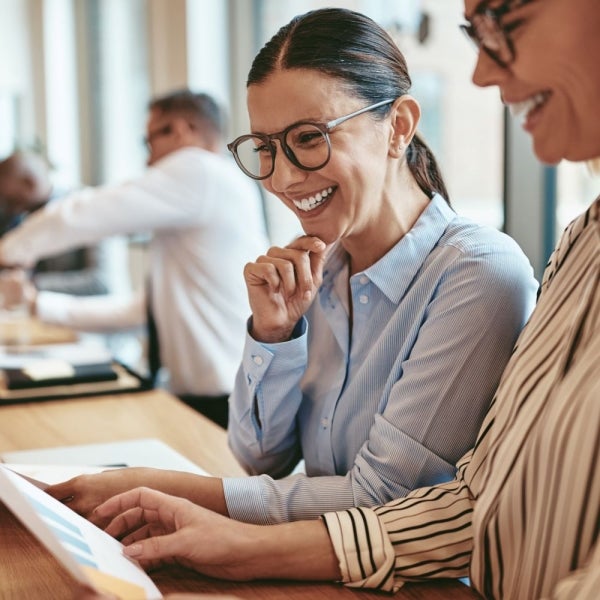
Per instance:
(405,115)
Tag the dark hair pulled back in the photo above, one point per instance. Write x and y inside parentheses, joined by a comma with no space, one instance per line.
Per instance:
(355,50)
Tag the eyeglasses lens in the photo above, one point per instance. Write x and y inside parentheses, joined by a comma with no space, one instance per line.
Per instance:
(487,33)
(305,145)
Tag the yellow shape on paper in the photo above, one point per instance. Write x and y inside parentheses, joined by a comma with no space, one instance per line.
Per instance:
(114,585)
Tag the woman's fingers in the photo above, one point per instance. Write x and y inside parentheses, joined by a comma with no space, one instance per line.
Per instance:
(291,270)
(141,498)
(130,521)
(312,252)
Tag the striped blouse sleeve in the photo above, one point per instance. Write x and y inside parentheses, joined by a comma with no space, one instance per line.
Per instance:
(386,546)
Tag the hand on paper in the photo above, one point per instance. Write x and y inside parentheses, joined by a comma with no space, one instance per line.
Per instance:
(157,529)
(282,285)
(85,492)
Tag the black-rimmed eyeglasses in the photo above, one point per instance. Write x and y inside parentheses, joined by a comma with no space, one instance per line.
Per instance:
(487,33)
(306,144)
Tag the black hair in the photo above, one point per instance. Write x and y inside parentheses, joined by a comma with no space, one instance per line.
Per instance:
(354,49)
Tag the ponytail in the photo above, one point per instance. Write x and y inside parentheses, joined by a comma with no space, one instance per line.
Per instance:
(424,168)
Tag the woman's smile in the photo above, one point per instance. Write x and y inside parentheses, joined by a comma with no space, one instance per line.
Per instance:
(530,108)
(314,200)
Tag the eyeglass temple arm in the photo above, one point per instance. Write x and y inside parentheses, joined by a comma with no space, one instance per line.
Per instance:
(339,120)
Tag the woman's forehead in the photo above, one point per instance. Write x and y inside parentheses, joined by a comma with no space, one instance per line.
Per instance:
(290,95)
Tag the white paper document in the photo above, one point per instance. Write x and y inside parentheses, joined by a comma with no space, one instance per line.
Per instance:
(88,553)
(147,452)
(72,354)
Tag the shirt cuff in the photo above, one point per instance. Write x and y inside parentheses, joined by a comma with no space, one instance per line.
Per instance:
(363,548)
(243,498)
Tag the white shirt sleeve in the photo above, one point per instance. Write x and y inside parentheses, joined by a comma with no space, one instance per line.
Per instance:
(166,196)
(91,313)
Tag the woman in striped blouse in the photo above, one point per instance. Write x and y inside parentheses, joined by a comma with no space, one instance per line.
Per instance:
(522,516)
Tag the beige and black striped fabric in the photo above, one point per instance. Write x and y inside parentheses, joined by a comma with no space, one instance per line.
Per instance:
(522,516)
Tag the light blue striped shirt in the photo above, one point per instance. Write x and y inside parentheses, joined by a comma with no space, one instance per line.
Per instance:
(391,401)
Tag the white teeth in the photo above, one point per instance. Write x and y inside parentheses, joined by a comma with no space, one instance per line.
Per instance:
(518,109)
(307,204)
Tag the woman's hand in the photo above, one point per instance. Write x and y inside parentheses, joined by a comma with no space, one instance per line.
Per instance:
(282,285)
(85,492)
(156,529)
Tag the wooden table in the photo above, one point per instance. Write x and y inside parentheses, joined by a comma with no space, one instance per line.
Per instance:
(23,330)
(28,571)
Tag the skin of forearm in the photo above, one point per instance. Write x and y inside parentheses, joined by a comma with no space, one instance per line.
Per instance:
(204,491)
(301,550)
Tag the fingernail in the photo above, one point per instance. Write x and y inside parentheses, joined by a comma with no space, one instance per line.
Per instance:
(133,550)
(307,295)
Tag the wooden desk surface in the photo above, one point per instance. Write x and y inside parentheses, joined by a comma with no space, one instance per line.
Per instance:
(15,331)
(28,571)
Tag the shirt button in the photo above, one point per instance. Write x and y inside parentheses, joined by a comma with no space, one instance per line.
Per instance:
(364,279)
(258,360)
(363,299)
(324,423)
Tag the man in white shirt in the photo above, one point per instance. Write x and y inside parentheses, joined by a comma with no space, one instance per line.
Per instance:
(206,220)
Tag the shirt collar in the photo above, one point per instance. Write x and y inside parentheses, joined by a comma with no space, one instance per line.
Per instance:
(405,259)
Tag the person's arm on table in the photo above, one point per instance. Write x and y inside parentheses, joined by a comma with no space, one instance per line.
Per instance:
(427,534)
(158,528)
(85,492)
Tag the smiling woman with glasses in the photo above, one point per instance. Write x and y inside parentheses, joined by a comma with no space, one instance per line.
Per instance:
(364,329)
(377,339)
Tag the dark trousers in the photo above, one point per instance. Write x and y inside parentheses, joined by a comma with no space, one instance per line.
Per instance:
(215,408)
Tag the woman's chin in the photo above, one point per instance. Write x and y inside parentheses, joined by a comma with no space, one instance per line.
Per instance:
(549,156)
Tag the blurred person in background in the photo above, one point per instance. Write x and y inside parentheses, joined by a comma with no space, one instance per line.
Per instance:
(206,221)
